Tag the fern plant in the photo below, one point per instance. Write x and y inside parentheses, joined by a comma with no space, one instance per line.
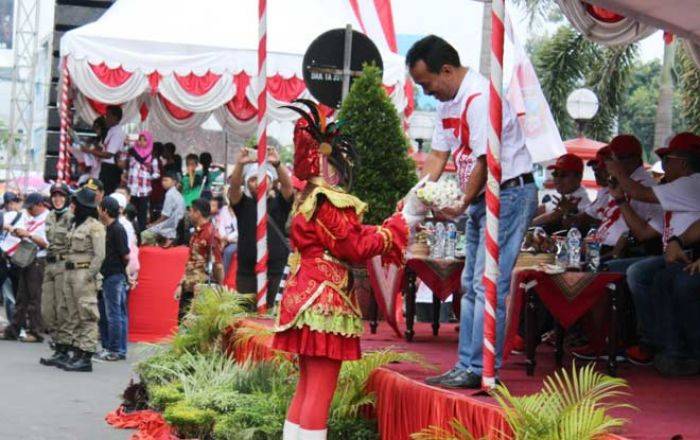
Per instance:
(214,309)
(571,405)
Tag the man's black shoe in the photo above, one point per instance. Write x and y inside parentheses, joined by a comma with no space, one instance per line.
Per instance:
(463,379)
(437,380)
(9,334)
(59,356)
(82,363)
(72,355)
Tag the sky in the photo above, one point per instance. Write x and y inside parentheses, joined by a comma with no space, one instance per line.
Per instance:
(459,22)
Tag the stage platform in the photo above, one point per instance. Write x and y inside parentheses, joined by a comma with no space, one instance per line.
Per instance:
(666,407)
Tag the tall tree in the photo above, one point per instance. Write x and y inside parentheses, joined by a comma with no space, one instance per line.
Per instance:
(567,61)
(689,76)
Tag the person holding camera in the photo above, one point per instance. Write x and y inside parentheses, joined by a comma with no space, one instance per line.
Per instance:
(30,257)
(243,200)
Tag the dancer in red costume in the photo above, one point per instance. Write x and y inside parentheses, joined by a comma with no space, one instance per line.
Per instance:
(319,317)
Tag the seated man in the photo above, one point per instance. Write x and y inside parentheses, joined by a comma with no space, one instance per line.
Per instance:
(626,151)
(678,310)
(164,230)
(679,198)
(571,197)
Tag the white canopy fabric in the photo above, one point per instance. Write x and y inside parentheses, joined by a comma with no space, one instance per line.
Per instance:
(680,17)
(628,21)
(143,53)
(626,30)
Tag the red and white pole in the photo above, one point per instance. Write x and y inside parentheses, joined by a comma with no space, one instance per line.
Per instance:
(63,165)
(493,203)
(261,230)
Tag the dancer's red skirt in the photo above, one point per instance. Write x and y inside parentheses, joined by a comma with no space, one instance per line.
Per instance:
(306,342)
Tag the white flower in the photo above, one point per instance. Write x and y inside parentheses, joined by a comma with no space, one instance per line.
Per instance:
(440,195)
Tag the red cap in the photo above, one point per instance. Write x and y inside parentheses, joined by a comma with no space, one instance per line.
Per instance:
(682,142)
(625,145)
(568,162)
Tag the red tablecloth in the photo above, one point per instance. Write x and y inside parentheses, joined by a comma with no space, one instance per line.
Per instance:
(443,277)
(567,296)
(152,306)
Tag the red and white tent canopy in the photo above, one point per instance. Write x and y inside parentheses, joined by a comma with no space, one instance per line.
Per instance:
(182,61)
(614,22)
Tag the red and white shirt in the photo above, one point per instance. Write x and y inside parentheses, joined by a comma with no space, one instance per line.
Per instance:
(613,223)
(462,126)
(680,201)
(581,195)
(140,176)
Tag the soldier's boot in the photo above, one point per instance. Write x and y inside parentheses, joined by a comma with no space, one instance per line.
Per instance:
(71,356)
(60,355)
(83,362)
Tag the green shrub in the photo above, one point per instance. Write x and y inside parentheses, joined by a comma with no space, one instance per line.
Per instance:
(190,422)
(160,396)
(353,429)
(158,368)
(385,172)
(227,428)
(219,400)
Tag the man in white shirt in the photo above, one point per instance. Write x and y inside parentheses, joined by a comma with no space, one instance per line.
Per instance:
(31,228)
(679,199)
(110,173)
(571,198)
(461,132)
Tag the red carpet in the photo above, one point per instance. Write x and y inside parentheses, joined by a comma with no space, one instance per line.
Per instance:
(666,407)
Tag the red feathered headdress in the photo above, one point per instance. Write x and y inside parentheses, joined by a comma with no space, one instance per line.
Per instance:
(318,143)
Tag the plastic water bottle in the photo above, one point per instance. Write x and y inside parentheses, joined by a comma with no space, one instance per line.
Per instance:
(429,230)
(573,245)
(562,257)
(451,241)
(592,251)
(461,247)
(438,251)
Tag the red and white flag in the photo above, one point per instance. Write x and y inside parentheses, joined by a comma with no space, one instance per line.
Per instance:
(524,93)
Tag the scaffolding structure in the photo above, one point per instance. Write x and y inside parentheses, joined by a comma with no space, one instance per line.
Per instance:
(26,47)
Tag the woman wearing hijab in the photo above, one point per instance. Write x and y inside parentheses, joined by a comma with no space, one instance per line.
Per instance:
(142,169)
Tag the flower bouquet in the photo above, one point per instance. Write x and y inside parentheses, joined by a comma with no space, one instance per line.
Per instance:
(440,195)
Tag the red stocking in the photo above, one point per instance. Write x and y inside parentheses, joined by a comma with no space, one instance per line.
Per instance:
(321,379)
(294,411)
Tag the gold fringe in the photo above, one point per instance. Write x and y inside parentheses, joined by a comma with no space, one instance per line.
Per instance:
(338,197)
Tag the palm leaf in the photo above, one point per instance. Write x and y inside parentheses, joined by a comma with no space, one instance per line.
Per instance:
(214,309)
(571,405)
(351,395)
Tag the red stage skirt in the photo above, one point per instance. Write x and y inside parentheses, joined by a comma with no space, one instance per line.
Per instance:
(306,342)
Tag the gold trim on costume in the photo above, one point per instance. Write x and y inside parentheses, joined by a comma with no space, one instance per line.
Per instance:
(335,195)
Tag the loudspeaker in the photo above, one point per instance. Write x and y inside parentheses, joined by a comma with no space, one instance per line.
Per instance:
(69,14)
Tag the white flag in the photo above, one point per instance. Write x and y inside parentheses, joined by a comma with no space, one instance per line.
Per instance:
(524,94)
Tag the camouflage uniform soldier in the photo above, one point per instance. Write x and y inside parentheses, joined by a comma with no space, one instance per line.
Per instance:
(86,250)
(53,295)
